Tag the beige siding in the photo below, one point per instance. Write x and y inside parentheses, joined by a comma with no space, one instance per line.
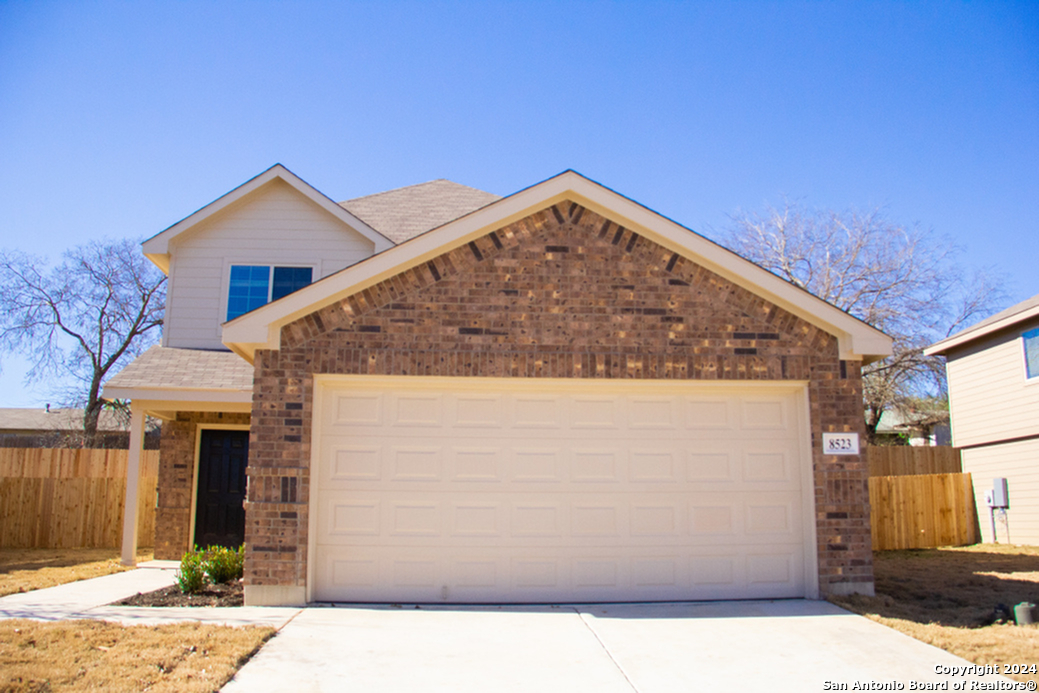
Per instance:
(990,397)
(1019,464)
(273,225)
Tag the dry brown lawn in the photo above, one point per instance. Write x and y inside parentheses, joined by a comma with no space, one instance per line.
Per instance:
(947,597)
(98,656)
(22,570)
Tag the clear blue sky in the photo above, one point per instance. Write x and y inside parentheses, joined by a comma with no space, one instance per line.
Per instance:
(119,119)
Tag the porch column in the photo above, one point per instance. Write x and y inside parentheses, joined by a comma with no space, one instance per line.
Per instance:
(133,478)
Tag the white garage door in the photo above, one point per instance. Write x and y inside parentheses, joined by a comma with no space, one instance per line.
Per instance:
(486,490)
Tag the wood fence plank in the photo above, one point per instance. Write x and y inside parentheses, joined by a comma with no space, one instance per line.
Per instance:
(922,511)
(904,460)
(69,498)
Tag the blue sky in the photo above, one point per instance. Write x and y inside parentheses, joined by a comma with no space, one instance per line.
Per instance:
(118,119)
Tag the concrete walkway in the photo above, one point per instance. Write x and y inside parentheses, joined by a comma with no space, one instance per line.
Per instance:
(88,599)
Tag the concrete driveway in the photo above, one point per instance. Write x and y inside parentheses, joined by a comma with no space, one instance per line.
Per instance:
(658,648)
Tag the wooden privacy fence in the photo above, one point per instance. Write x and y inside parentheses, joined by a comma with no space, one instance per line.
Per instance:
(902,460)
(922,511)
(71,498)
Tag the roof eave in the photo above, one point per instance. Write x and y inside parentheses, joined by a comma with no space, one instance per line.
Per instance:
(157,248)
(180,394)
(261,328)
(969,335)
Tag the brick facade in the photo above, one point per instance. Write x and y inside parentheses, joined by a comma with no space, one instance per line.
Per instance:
(176,479)
(563,293)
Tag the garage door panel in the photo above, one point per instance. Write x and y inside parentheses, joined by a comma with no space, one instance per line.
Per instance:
(493,495)
(526,464)
(352,518)
(709,413)
(583,574)
(595,465)
(652,414)
(478,411)
(459,519)
(352,463)
(479,464)
(415,411)
(477,518)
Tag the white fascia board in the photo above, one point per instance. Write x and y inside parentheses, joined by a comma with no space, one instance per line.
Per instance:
(157,248)
(166,409)
(262,327)
(180,395)
(943,347)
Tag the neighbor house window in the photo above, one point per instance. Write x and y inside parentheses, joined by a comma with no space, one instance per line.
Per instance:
(255,285)
(1032,353)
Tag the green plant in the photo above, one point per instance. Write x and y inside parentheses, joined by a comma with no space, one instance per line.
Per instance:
(191,577)
(224,564)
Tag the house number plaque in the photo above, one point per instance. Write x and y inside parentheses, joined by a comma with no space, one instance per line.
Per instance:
(840,443)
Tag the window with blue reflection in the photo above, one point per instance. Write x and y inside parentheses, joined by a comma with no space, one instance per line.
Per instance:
(252,286)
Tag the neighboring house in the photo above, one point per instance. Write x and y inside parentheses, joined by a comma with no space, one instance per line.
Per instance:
(918,428)
(47,427)
(438,395)
(993,370)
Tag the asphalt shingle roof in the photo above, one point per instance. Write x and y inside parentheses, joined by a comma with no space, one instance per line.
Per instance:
(404,213)
(191,369)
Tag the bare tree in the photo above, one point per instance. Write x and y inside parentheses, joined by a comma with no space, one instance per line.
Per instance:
(99,308)
(902,280)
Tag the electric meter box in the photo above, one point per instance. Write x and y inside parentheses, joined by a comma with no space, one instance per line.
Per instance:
(1000,495)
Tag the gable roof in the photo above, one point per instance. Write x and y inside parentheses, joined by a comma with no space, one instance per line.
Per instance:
(157,248)
(404,213)
(1017,313)
(261,329)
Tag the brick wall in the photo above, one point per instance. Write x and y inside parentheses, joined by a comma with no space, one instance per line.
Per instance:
(563,293)
(177,448)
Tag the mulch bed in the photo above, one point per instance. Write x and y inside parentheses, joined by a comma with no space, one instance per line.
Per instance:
(229,594)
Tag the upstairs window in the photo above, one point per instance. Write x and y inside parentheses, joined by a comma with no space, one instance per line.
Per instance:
(1032,353)
(255,285)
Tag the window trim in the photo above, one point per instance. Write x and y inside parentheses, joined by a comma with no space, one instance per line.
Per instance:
(225,297)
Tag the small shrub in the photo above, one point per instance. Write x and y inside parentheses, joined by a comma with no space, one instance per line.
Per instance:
(191,577)
(223,564)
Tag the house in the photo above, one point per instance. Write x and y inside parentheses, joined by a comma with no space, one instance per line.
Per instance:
(915,427)
(438,395)
(993,370)
(26,427)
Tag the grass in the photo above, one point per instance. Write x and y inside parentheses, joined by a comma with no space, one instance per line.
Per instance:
(94,656)
(23,570)
(947,597)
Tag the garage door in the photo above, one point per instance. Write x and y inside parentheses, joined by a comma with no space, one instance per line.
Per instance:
(489,490)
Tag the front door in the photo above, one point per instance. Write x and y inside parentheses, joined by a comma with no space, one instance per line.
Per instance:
(220,514)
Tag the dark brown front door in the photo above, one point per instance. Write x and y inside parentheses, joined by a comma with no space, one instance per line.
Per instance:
(220,513)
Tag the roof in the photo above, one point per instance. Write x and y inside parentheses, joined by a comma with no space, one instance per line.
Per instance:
(157,248)
(1015,314)
(261,328)
(28,420)
(404,213)
(897,421)
(196,373)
